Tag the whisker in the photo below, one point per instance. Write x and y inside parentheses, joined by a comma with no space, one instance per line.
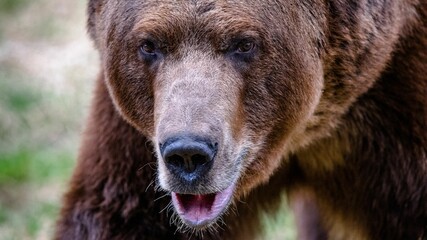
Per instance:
(167,206)
(151,183)
(148,164)
(161,197)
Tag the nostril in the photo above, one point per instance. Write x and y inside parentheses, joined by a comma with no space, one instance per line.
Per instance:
(199,159)
(175,160)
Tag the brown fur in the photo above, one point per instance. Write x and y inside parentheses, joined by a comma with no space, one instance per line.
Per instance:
(330,107)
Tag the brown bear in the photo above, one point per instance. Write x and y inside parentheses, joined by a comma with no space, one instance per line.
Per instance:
(207,111)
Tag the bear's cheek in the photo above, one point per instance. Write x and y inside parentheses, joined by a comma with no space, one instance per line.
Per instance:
(132,95)
(277,115)
(280,107)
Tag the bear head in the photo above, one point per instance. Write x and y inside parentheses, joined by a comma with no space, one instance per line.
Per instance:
(226,90)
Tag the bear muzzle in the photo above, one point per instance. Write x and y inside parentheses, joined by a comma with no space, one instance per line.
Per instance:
(189,159)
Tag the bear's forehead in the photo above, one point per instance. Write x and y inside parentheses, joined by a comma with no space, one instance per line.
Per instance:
(197,12)
(209,18)
(197,6)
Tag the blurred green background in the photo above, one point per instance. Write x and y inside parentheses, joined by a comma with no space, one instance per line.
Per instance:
(47,71)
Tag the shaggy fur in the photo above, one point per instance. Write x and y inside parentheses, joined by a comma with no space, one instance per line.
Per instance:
(330,107)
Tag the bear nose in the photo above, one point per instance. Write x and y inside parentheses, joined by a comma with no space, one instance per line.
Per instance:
(188,157)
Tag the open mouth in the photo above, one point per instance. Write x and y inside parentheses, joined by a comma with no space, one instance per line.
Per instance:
(201,210)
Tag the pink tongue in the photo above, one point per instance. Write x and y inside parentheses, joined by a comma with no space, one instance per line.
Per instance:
(200,210)
(196,207)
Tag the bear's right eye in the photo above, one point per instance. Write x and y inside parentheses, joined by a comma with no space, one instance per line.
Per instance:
(148,51)
(148,48)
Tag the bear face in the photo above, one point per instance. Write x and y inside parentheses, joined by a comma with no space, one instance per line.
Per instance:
(226,89)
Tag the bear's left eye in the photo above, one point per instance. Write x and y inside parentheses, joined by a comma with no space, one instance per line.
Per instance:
(245,47)
(243,50)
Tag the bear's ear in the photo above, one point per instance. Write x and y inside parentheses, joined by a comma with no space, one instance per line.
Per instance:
(93,10)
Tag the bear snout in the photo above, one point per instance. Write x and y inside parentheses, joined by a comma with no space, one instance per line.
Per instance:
(188,158)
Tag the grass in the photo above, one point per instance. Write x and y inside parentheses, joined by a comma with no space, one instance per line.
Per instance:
(11,6)
(280,226)
(34,167)
(31,184)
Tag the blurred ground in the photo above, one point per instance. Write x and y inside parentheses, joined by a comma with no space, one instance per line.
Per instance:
(47,69)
